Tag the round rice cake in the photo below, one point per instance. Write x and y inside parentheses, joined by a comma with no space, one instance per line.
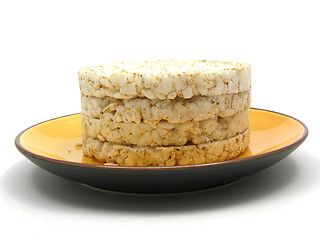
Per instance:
(165,79)
(163,133)
(215,151)
(177,110)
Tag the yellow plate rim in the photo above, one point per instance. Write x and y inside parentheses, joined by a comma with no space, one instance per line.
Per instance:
(86,165)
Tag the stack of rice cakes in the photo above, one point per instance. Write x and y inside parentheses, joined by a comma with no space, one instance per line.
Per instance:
(166,112)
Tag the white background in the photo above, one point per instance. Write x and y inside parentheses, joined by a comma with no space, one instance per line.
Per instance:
(44,43)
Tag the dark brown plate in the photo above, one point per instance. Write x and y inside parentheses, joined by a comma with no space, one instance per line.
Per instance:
(52,145)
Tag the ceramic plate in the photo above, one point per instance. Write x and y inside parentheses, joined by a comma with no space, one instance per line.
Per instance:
(54,146)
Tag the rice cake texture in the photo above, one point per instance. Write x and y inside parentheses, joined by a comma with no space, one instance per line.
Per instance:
(166,112)
(165,79)
(177,110)
(123,155)
(164,133)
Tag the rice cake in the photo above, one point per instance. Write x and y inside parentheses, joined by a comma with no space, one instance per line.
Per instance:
(123,155)
(165,112)
(177,110)
(164,133)
(165,79)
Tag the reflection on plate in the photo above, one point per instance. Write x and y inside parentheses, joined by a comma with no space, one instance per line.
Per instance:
(55,145)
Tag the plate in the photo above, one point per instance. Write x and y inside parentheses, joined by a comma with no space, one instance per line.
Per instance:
(55,145)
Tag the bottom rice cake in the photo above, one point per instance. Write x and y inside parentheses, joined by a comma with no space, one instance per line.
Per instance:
(122,155)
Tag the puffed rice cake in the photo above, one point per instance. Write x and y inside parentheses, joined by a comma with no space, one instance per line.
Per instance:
(164,133)
(165,112)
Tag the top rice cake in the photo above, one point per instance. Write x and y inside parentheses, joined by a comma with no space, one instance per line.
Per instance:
(165,112)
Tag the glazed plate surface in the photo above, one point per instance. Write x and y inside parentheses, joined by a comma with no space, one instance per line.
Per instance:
(54,145)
